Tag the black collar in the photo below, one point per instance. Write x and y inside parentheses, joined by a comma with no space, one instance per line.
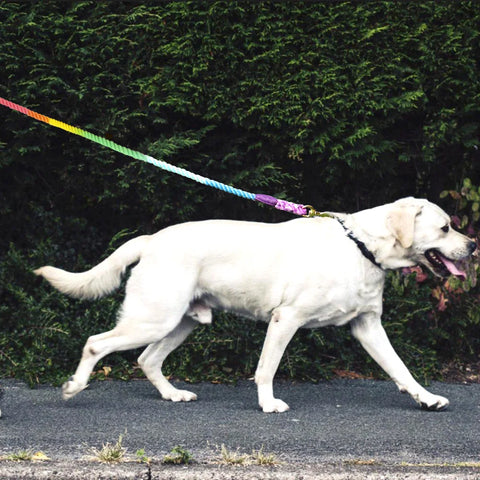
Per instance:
(361,246)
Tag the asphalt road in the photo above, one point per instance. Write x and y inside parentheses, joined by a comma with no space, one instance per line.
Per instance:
(346,422)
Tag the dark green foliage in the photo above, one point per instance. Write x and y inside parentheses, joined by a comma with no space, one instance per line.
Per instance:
(344,105)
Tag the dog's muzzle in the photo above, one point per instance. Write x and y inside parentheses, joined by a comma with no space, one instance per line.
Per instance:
(443,266)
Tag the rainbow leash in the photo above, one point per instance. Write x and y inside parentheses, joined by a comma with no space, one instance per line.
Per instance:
(291,207)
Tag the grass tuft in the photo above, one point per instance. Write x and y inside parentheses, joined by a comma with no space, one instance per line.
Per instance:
(232,457)
(20,456)
(110,453)
(257,457)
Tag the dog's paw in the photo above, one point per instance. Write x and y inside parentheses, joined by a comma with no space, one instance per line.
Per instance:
(275,405)
(179,396)
(434,403)
(70,388)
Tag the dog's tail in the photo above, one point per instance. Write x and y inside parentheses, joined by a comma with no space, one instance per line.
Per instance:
(101,279)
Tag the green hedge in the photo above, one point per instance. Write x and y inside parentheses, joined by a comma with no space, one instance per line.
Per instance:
(343,105)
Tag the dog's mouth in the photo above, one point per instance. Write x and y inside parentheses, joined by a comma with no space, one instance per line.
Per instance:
(443,266)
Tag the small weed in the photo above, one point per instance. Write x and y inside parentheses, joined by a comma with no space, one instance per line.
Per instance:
(110,453)
(232,458)
(141,456)
(259,457)
(178,456)
(20,456)
(26,456)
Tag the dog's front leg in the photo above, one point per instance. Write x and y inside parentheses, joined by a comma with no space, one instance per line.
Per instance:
(371,334)
(281,329)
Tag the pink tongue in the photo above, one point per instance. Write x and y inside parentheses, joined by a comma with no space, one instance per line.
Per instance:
(452,268)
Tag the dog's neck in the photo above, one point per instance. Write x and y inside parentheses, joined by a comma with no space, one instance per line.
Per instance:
(378,239)
(343,220)
(366,252)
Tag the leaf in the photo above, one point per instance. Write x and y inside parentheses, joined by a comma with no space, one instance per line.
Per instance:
(374,31)
(40,456)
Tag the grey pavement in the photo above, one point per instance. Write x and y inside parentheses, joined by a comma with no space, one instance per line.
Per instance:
(340,429)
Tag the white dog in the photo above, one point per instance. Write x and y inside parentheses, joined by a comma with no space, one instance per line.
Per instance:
(307,272)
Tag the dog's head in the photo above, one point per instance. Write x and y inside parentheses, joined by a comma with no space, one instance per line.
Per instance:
(424,235)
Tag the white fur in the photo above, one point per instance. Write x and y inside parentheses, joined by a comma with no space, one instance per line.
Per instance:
(302,273)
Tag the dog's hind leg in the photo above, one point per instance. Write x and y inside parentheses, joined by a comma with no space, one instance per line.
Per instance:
(154,306)
(128,334)
(97,347)
(153,356)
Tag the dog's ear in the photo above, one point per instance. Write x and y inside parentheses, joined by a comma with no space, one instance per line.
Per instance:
(401,223)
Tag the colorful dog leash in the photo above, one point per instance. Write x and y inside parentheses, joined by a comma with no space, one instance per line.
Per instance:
(295,208)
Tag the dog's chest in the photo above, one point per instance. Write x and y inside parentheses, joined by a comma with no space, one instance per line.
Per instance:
(342,301)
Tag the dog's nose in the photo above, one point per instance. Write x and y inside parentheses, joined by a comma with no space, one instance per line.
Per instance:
(472,246)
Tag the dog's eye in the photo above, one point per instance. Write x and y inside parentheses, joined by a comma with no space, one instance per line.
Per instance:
(446,228)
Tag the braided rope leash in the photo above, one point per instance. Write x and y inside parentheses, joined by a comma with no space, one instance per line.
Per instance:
(295,208)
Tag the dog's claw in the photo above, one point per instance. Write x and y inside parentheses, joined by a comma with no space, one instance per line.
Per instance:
(70,388)
(441,404)
(434,408)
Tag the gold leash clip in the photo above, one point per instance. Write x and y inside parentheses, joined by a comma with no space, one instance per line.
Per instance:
(314,213)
